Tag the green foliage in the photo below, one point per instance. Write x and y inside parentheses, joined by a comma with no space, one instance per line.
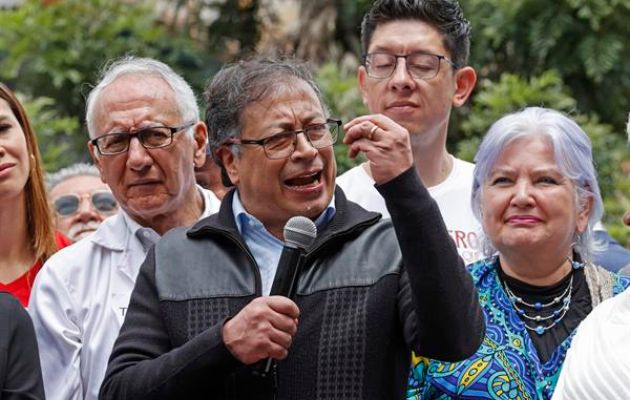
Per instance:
(54,51)
(585,41)
(341,93)
(55,137)
(512,93)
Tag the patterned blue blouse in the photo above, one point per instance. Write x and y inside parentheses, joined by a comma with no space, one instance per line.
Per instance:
(506,365)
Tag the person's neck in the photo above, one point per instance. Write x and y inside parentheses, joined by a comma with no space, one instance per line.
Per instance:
(185,215)
(433,163)
(535,269)
(16,251)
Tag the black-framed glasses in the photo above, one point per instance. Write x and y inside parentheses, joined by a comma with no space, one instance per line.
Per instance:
(419,65)
(282,145)
(68,204)
(152,137)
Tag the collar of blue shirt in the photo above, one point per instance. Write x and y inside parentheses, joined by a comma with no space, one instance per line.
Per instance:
(265,247)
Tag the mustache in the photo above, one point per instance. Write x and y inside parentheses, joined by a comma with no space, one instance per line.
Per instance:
(81,229)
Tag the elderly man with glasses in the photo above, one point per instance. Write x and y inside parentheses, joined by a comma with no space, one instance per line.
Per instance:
(367,292)
(80,199)
(146,139)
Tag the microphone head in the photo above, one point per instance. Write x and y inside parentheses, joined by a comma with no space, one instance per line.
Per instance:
(299,232)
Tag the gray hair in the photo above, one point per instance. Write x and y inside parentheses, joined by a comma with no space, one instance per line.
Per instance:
(79,169)
(444,15)
(184,95)
(238,85)
(572,153)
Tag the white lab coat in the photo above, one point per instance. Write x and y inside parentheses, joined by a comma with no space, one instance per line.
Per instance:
(79,300)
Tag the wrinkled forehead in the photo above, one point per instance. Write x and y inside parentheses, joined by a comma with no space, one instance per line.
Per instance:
(133,97)
(290,96)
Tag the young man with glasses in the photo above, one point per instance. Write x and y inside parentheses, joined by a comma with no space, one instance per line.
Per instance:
(80,199)
(414,72)
(146,139)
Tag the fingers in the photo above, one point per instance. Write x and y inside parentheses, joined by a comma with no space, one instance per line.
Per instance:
(365,127)
(264,328)
(284,305)
(385,144)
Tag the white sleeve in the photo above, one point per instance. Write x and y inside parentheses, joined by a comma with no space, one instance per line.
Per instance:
(58,334)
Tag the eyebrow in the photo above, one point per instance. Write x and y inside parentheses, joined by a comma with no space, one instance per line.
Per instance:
(538,171)
(388,49)
(290,126)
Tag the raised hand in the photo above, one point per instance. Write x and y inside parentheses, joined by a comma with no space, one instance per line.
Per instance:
(385,144)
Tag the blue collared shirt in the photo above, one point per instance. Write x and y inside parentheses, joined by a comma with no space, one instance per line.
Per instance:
(265,247)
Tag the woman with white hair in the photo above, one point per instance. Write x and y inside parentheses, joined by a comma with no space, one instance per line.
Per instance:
(536,195)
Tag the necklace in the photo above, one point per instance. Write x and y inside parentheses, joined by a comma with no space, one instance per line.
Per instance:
(544,315)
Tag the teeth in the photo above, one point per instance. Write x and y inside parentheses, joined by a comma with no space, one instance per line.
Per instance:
(304,181)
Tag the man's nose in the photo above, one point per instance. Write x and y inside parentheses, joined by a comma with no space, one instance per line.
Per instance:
(303,148)
(138,157)
(401,79)
(86,211)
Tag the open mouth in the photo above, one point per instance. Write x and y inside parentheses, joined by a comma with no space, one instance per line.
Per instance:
(304,181)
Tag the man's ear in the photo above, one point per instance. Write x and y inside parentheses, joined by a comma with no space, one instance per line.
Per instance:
(200,139)
(97,160)
(465,80)
(229,164)
(362,77)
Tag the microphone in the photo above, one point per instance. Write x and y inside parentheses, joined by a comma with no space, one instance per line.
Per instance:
(299,234)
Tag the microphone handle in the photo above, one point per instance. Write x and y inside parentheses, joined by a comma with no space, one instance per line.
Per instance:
(285,284)
(286,272)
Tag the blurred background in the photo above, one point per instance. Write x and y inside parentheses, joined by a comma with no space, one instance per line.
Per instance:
(571,55)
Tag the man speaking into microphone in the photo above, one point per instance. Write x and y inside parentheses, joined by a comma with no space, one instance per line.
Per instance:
(202,323)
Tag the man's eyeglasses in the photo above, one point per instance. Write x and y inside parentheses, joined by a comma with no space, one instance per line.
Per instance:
(282,145)
(151,138)
(419,65)
(68,204)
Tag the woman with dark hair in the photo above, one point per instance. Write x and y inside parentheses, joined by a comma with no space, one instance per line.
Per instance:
(20,373)
(536,195)
(27,236)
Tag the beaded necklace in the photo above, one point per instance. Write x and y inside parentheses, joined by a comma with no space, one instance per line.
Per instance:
(553,310)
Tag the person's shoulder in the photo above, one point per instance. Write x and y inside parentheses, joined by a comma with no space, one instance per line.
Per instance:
(482,268)
(179,233)
(75,258)
(212,202)
(463,166)
(8,301)
(609,309)
(11,310)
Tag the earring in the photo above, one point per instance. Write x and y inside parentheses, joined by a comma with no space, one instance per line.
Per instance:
(575,265)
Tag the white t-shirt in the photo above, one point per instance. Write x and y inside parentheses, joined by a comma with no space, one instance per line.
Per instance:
(597,365)
(452,196)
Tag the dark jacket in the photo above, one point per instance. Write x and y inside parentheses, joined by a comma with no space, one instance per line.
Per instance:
(365,302)
(20,372)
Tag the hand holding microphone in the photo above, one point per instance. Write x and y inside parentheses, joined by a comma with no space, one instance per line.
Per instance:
(266,326)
